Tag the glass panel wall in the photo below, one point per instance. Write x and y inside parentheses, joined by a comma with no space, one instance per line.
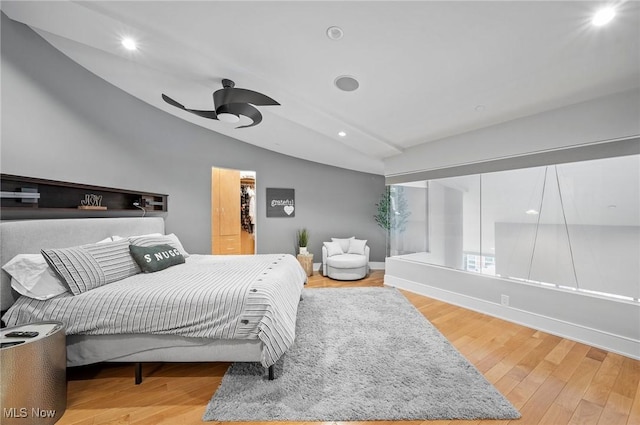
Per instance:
(573,226)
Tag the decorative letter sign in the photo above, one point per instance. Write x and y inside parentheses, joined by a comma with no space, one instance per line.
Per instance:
(281,202)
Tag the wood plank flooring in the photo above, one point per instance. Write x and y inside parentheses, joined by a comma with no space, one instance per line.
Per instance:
(551,380)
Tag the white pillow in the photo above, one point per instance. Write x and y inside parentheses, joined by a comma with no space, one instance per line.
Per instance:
(356,246)
(333,248)
(344,243)
(158,239)
(32,277)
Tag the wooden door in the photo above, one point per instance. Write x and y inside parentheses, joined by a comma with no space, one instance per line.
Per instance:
(225,211)
(215,209)
(229,202)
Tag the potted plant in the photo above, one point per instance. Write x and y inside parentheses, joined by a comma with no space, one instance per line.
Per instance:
(303,240)
(393,213)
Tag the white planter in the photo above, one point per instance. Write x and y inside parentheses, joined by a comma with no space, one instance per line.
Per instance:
(303,250)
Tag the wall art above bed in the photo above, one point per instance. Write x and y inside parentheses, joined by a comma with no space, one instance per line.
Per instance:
(30,197)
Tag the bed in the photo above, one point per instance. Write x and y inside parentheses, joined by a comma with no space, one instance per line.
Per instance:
(229,308)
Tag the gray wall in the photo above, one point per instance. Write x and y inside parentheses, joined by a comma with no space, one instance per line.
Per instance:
(61,122)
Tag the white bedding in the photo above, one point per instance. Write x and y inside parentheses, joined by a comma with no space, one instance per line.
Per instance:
(217,297)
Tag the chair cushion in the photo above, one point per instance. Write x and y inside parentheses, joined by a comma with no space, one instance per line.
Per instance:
(344,242)
(333,248)
(356,246)
(347,261)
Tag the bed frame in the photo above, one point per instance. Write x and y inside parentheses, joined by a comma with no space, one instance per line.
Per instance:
(30,236)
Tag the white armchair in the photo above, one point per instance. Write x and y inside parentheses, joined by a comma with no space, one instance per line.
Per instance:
(345,259)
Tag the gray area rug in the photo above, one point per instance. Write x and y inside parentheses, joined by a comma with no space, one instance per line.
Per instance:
(360,354)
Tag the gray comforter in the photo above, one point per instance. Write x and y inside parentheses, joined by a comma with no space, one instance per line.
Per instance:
(221,297)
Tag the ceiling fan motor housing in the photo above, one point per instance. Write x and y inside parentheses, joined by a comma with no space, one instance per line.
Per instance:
(226,83)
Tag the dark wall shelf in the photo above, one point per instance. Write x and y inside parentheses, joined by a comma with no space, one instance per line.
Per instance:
(61,199)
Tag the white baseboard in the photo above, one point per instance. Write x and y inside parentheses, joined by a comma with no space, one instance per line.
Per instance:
(593,337)
(376,265)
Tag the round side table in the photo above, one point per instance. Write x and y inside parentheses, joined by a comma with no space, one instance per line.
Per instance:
(34,374)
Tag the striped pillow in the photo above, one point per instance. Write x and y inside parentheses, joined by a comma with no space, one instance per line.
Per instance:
(158,239)
(88,267)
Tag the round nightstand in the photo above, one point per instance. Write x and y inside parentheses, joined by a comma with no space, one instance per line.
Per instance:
(34,374)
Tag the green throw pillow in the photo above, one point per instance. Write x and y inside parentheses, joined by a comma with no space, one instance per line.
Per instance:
(155,258)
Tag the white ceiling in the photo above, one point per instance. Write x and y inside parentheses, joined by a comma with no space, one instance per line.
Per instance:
(423,67)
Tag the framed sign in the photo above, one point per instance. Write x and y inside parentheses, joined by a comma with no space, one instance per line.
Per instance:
(281,202)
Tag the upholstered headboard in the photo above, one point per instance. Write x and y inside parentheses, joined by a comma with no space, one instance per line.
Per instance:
(30,236)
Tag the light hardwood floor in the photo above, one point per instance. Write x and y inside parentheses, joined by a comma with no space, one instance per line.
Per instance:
(551,380)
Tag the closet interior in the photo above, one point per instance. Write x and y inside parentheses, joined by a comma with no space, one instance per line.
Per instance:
(233,211)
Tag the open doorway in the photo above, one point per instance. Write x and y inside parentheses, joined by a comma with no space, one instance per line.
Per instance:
(233,211)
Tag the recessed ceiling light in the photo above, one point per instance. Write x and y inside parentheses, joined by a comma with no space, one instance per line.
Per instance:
(129,43)
(532,212)
(342,134)
(346,83)
(479,108)
(612,207)
(335,33)
(603,16)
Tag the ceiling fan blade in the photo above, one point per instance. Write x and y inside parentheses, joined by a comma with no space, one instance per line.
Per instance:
(172,102)
(204,114)
(242,109)
(231,95)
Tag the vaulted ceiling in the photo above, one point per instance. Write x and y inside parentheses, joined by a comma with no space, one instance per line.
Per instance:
(426,70)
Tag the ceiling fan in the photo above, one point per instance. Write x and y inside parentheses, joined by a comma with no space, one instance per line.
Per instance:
(230,103)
